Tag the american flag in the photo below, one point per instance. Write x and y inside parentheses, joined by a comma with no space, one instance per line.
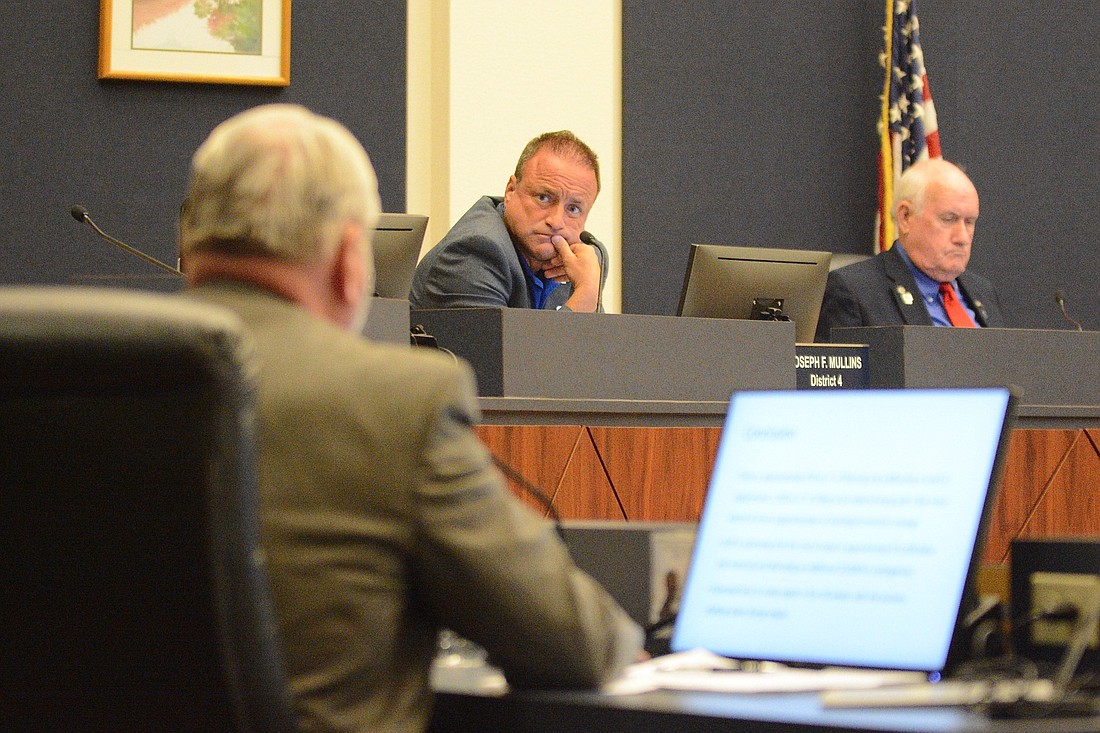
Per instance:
(907,127)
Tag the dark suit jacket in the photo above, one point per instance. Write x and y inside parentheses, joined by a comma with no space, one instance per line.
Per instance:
(476,266)
(881,291)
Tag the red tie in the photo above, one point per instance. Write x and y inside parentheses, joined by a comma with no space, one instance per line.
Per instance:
(955,312)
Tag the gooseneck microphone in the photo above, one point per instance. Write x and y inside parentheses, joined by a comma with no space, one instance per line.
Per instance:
(587,238)
(81,215)
(1060,299)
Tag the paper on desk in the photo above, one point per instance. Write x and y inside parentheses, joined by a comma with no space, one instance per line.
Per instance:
(702,671)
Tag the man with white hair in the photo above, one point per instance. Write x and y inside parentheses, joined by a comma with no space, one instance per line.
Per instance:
(382,517)
(922,280)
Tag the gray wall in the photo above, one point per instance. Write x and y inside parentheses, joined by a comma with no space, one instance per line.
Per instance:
(749,122)
(753,123)
(121,148)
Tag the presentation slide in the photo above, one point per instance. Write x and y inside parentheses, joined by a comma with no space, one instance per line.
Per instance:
(840,530)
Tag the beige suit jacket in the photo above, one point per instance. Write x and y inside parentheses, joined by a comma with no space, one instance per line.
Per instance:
(383,520)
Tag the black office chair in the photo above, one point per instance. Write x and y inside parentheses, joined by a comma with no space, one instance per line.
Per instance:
(132,591)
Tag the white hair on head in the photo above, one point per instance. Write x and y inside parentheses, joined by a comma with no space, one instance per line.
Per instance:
(278,181)
(913,183)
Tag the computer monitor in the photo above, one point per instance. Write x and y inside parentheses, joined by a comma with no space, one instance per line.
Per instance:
(723,281)
(397,241)
(814,547)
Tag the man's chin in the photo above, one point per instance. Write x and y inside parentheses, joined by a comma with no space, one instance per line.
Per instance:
(951,269)
(539,257)
(950,275)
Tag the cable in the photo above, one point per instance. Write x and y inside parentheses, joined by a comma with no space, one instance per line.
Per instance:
(516,477)
(1061,612)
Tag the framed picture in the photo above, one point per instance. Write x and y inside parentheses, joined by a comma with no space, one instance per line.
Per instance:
(213,41)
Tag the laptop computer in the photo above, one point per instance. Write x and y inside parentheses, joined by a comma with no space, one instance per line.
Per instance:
(397,241)
(844,527)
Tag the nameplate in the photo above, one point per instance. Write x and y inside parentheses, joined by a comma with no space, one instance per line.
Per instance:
(832,366)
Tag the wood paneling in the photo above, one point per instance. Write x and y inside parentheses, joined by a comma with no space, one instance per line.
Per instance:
(1070,505)
(659,473)
(1051,483)
(1033,459)
(586,491)
(539,453)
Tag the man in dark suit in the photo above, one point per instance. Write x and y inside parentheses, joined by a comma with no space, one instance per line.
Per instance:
(383,518)
(923,277)
(523,250)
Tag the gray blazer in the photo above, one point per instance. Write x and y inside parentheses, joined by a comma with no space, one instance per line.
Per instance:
(383,519)
(476,266)
(881,291)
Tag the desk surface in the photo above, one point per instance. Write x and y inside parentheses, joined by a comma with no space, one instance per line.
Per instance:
(685,413)
(607,413)
(700,712)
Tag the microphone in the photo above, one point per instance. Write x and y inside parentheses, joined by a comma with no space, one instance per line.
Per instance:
(81,215)
(1060,299)
(601,250)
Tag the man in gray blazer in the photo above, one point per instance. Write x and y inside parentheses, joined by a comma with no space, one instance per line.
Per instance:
(527,249)
(936,208)
(382,516)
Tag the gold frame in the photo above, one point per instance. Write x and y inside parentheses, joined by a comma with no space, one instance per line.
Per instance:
(118,59)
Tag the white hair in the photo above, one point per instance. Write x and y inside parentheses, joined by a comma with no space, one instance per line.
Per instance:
(278,181)
(913,183)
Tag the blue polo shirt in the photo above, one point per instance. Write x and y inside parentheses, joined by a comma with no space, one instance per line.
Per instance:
(537,284)
(930,292)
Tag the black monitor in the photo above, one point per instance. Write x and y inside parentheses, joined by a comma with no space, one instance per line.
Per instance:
(397,241)
(723,281)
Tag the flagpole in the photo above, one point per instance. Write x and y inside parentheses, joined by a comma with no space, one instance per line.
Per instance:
(885,223)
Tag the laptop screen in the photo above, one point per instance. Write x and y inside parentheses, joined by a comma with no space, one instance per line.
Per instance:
(841,527)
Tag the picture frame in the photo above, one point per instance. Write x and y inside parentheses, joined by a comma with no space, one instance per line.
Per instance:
(205,41)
